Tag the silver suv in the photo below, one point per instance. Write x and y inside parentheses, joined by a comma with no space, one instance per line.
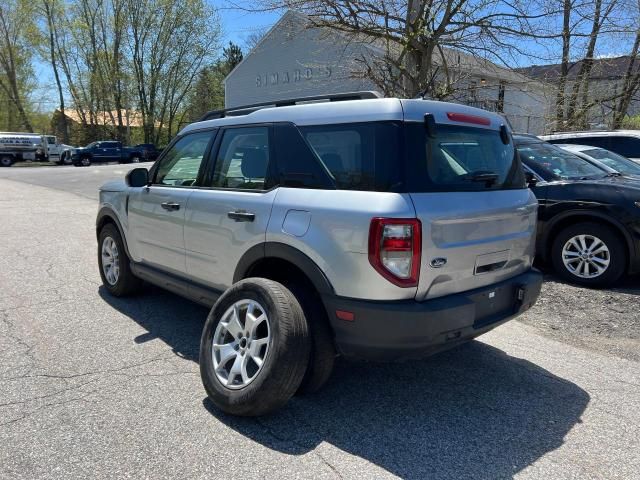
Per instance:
(374,228)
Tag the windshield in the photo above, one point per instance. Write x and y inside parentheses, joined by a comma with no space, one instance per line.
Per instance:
(463,158)
(613,160)
(556,162)
(92,144)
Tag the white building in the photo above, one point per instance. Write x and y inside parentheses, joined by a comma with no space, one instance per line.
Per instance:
(293,60)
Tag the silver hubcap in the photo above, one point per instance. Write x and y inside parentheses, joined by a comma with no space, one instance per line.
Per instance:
(586,256)
(110,265)
(241,344)
(86,162)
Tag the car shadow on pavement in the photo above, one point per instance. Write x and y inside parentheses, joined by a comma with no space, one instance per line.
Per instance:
(472,412)
(176,321)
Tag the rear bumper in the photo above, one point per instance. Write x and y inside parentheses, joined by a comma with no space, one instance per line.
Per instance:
(408,329)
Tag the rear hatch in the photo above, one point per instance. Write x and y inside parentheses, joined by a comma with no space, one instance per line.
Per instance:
(478,218)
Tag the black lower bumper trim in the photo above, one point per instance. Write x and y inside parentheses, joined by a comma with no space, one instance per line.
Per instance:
(408,329)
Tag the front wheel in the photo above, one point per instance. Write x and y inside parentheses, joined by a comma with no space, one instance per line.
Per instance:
(113,261)
(6,161)
(589,254)
(255,348)
(85,162)
(135,159)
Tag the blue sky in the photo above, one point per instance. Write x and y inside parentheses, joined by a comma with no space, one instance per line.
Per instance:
(236,24)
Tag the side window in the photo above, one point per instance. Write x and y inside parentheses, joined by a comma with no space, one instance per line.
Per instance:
(243,158)
(625,146)
(181,164)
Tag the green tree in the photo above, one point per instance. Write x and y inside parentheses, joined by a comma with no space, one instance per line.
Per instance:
(16,72)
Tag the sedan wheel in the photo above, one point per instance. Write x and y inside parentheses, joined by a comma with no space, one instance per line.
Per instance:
(589,254)
(586,256)
(85,161)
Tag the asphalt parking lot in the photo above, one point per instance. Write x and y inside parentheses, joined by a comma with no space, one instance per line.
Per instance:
(93,386)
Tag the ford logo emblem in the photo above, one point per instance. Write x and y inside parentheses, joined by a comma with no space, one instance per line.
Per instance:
(438,262)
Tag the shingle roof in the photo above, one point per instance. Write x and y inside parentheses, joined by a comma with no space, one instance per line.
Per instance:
(603,68)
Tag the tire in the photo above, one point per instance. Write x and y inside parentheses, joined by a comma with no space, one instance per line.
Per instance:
(6,161)
(123,282)
(323,352)
(602,268)
(135,159)
(283,349)
(85,162)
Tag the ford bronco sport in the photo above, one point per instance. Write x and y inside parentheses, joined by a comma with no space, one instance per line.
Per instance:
(374,228)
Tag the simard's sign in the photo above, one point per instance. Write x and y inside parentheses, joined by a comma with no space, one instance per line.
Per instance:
(293,76)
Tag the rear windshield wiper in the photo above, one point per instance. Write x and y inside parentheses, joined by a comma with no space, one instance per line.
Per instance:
(489,178)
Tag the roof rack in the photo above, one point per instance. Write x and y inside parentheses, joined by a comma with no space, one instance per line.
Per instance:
(247,109)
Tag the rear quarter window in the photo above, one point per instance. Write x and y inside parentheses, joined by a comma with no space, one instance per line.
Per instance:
(359,156)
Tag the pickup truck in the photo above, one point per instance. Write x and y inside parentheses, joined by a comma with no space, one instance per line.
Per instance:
(105,151)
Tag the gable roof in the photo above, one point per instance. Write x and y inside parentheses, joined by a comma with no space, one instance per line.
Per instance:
(603,69)
(456,59)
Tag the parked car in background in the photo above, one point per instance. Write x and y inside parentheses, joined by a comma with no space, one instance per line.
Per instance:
(622,142)
(149,151)
(605,159)
(376,228)
(105,151)
(19,147)
(588,217)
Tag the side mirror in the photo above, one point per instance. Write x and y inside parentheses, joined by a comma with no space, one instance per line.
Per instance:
(138,177)
(531,179)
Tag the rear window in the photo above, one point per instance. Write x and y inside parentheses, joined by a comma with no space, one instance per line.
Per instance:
(359,156)
(552,162)
(461,158)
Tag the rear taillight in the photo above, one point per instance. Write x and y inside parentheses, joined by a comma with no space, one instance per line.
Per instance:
(395,245)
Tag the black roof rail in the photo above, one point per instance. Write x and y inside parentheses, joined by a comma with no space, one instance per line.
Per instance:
(247,109)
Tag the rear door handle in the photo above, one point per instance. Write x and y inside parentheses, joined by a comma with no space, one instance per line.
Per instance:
(241,216)
(170,206)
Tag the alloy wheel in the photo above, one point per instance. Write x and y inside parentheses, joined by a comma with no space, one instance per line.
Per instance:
(241,344)
(110,265)
(586,256)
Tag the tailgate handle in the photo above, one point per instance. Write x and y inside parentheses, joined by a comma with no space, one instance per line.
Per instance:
(490,267)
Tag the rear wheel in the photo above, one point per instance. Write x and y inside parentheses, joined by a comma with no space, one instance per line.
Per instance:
(113,261)
(85,161)
(6,161)
(589,254)
(255,348)
(135,159)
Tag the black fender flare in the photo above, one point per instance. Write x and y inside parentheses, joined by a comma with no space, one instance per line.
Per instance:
(107,213)
(290,254)
(620,228)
